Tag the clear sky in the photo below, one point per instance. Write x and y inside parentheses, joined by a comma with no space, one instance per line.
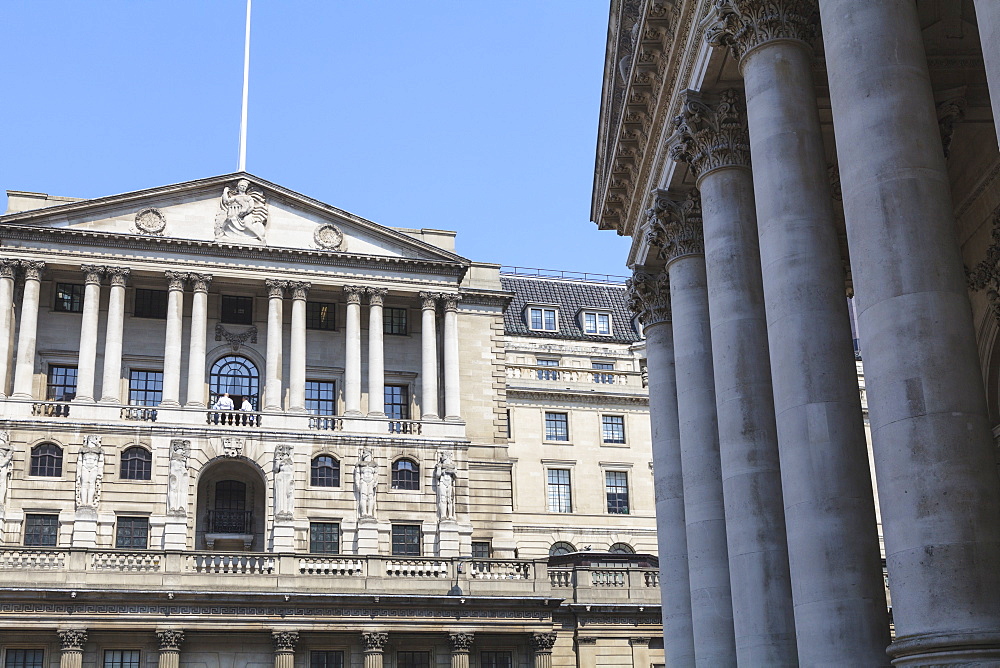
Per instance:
(474,116)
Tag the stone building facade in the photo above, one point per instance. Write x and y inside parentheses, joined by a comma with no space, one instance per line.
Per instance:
(765,157)
(240,427)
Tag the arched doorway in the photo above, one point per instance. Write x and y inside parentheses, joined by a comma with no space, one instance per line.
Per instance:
(236,376)
(231,502)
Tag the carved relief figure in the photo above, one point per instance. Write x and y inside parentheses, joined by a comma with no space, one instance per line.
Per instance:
(89,472)
(445,475)
(244,213)
(365,483)
(232,446)
(284,483)
(177,483)
(6,466)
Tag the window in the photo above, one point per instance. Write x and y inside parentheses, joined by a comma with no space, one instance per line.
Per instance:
(496,660)
(325,472)
(621,548)
(561,547)
(237,310)
(145,388)
(560,496)
(397,402)
(394,320)
(320,315)
(132,533)
(616,488)
(150,304)
(236,376)
(46,460)
(24,658)
(405,474)
(230,514)
(406,540)
(603,377)
(481,549)
(324,537)
(413,659)
(556,426)
(326,659)
(121,658)
(613,428)
(69,298)
(137,463)
(41,530)
(543,319)
(320,397)
(596,323)
(547,374)
(61,383)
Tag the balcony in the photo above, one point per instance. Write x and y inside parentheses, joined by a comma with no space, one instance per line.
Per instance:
(530,375)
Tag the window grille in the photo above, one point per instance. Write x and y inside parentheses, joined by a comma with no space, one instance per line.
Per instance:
(405,474)
(41,530)
(394,320)
(613,428)
(61,383)
(237,310)
(145,388)
(320,315)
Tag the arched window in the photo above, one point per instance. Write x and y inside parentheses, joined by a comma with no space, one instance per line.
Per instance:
(561,547)
(621,548)
(46,460)
(236,376)
(405,474)
(137,464)
(325,472)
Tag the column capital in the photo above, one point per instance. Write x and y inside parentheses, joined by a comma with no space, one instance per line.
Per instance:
(428,300)
(200,282)
(175,280)
(374,641)
(32,269)
(450,300)
(353,293)
(285,641)
(118,275)
(275,288)
(639,641)
(376,295)
(675,225)
(300,289)
(92,273)
(586,641)
(461,643)
(541,643)
(649,296)
(712,135)
(72,640)
(743,25)
(170,640)
(8,267)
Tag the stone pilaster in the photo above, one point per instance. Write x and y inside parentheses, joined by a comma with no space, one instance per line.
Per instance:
(71,643)
(376,352)
(8,271)
(297,348)
(24,371)
(273,364)
(374,645)
(170,641)
(199,340)
(541,649)
(428,357)
(452,390)
(113,335)
(352,360)
(461,643)
(586,652)
(284,648)
(176,283)
(86,364)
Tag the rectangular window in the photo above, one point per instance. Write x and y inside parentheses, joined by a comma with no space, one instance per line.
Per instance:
(556,426)
(543,319)
(394,320)
(320,397)
(121,658)
(150,304)
(61,383)
(132,533)
(481,549)
(596,323)
(237,310)
(413,659)
(616,488)
(547,374)
(496,660)
(69,298)
(24,658)
(560,495)
(613,428)
(603,377)
(320,315)
(406,540)
(324,537)
(41,530)
(326,659)
(145,388)
(397,402)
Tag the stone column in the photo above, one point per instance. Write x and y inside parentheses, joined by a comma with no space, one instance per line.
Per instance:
(649,297)
(461,643)
(352,359)
(199,340)
(988,20)
(71,642)
(373,643)
(826,482)
(86,364)
(273,363)
(541,647)
(676,228)
(170,648)
(284,648)
(934,461)
(24,370)
(640,653)
(297,349)
(376,353)
(452,391)
(114,331)
(713,141)
(8,269)
(428,357)
(586,652)
(172,347)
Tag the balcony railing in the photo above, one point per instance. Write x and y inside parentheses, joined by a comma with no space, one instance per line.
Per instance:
(230,521)
(50,409)
(234,418)
(550,374)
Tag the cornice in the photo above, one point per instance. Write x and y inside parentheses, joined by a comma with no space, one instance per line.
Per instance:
(577,396)
(487,298)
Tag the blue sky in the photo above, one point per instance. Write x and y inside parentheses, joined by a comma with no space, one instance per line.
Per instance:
(473,116)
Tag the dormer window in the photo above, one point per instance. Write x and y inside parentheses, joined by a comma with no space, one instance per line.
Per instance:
(596,322)
(542,318)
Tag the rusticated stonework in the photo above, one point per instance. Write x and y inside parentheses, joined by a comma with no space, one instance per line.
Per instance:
(743,25)
(374,642)
(285,641)
(649,296)
(675,226)
(541,643)
(709,136)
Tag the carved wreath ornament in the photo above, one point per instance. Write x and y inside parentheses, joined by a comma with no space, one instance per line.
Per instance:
(150,221)
(329,237)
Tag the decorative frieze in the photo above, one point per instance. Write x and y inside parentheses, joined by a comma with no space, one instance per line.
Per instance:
(675,226)
(374,641)
(711,136)
(72,640)
(170,640)
(285,641)
(541,643)
(89,472)
(649,296)
(461,643)
(743,25)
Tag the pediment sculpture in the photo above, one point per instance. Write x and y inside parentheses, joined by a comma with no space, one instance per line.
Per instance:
(244,214)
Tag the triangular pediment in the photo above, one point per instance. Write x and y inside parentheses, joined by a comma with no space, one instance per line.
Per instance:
(234,209)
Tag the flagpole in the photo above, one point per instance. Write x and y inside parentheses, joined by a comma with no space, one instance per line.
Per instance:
(246,87)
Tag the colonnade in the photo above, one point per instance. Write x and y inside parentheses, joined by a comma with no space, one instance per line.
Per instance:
(764,425)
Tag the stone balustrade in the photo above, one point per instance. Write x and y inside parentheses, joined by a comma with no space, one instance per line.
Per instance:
(558,374)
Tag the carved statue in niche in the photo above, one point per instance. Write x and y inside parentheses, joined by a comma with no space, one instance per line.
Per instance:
(244,213)
(365,483)
(6,466)
(445,475)
(89,472)
(284,483)
(177,483)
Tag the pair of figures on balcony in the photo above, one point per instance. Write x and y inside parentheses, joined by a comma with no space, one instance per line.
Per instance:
(366,484)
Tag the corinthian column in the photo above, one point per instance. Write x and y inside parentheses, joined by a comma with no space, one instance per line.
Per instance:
(376,353)
(8,268)
(170,648)
(71,642)
(676,228)
(86,364)
(541,649)
(297,349)
(352,358)
(428,357)
(114,331)
(934,460)
(374,644)
(827,487)
(712,140)
(199,340)
(273,364)
(461,643)
(172,347)
(649,297)
(24,371)
(284,648)
(452,391)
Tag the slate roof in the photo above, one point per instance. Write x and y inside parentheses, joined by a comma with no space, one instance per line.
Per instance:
(569,297)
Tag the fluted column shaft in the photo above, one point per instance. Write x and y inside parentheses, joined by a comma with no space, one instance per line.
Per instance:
(24,370)
(72,643)
(297,349)
(86,365)
(428,357)
(376,352)
(199,340)
(934,460)
(352,358)
(284,648)
(113,335)
(452,390)
(172,346)
(988,21)
(8,269)
(273,364)
(373,643)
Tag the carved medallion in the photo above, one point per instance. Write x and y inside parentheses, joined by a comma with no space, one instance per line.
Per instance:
(329,237)
(150,221)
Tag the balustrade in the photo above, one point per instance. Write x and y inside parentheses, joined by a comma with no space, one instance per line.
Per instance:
(573,375)
(50,409)
(337,566)
(233,418)
(500,570)
(231,563)
(138,413)
(420,568)
(134,562)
